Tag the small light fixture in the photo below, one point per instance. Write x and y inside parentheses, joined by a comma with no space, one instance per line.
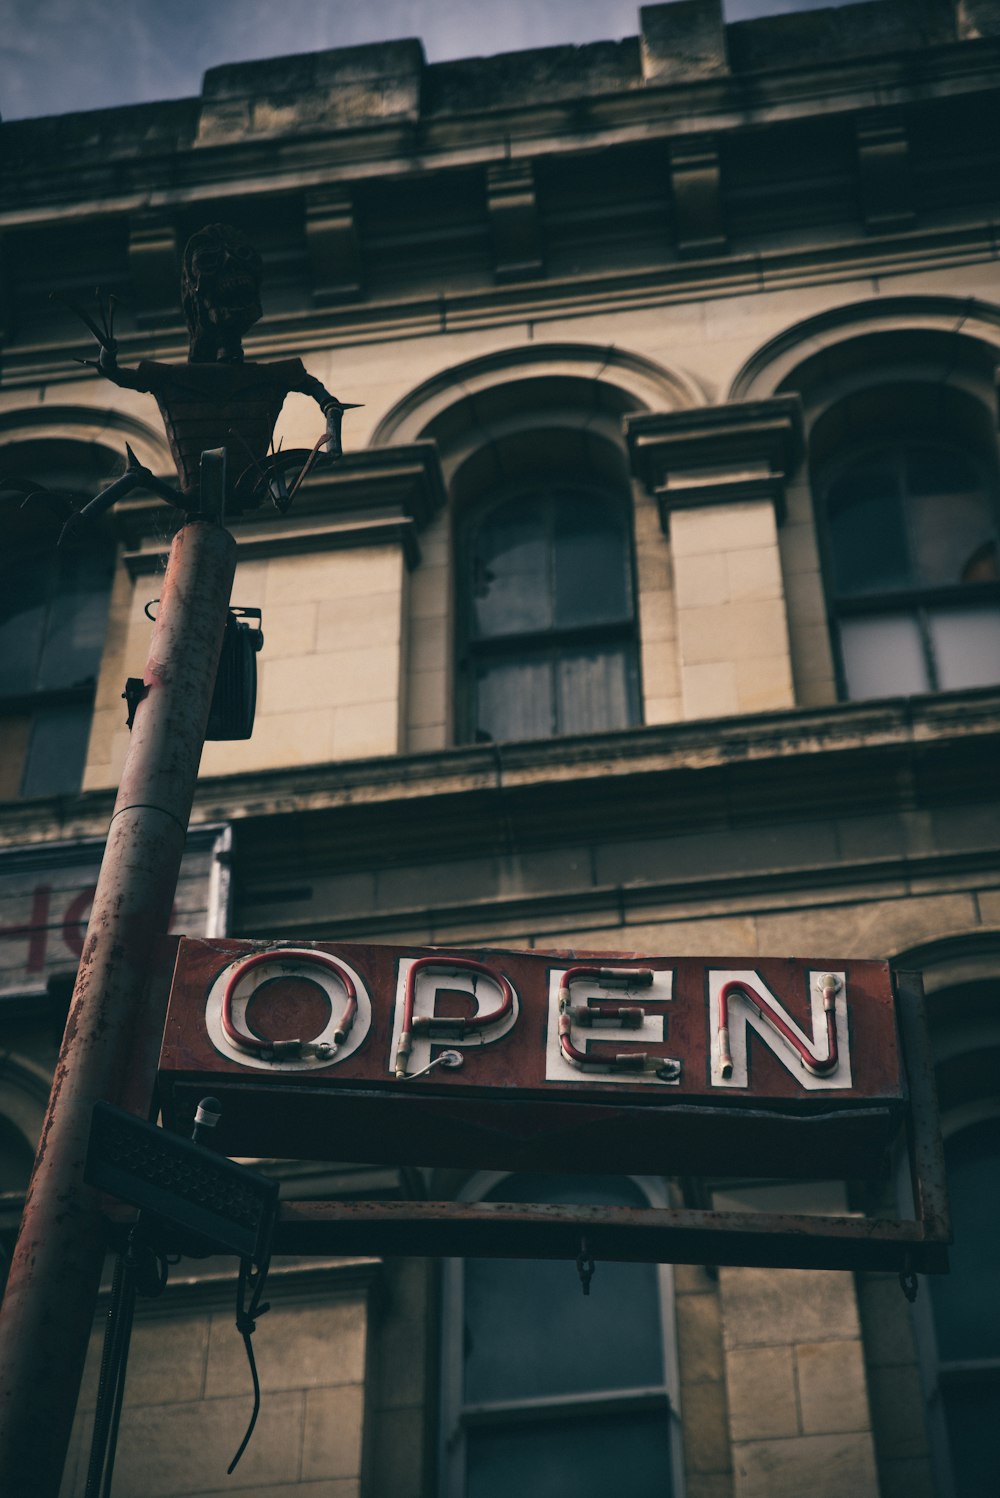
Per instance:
(234,702)
(216,1205)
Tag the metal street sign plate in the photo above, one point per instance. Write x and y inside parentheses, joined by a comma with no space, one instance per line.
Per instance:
(537,1061)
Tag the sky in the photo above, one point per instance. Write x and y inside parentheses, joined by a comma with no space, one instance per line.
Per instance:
(57,56)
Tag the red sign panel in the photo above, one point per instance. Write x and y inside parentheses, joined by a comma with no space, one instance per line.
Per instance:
(538,1061)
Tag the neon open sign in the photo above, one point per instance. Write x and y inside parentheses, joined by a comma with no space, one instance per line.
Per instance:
(537,1060)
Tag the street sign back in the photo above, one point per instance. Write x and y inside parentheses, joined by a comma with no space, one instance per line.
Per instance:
(537,1061)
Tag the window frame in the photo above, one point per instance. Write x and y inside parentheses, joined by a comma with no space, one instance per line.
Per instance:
(548,645)
(915,601)
(935,1370)
(456,1416)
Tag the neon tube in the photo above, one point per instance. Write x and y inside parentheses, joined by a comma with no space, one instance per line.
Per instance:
(629,1017)
(767,1011)
(280,1050)
(429,1024)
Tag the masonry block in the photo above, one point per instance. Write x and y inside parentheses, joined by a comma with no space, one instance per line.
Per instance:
(684,40)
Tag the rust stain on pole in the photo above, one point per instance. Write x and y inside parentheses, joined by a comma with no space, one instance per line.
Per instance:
(56,1269)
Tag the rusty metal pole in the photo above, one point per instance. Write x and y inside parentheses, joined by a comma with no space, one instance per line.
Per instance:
(49,1305)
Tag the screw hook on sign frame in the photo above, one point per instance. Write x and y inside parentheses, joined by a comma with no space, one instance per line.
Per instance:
(585,1266)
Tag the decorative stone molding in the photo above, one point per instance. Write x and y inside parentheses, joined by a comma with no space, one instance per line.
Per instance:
(696,182)
(513,210)
(85,425)
(6,302)
(636,381)
(154,265)
(332,244)
(717,454)
(884,185)
(373,497)
(957,332)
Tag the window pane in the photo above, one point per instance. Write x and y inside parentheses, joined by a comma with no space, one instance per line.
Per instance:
(528,1330)
(514,701)
(24,587)
(593,690)
(591,571)
(966,1304)
(939,470)
(950,533)
(58,751)
(511,581)
(966,645)
(972,1411)
(624,1456)
(546,566)
(883,656)
(78,611)
(867,532)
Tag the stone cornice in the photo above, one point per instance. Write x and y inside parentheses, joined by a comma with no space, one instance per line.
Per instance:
(761,891)
(729,454)
(538,301)
(371,497)
(313,120)
(767,431)
(262,167)
(868,755)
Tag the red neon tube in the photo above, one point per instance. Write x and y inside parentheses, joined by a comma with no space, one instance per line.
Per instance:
(767,1011)
(606,977)
(429,1024)
(270,1050)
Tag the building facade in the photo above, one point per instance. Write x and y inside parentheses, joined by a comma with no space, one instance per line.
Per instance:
(655,607)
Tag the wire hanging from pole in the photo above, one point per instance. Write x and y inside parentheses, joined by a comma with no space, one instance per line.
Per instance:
(246,1325)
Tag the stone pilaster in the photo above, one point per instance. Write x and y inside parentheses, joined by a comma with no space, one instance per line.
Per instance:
(719,474)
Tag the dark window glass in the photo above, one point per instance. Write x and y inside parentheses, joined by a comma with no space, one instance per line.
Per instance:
(525,1334)
(77,617)
(561,1395)
(591,564)
(549,631)
(57,750)
(624,1455)
(511,589)
(53,617)
(966,1302)
(593,687)
(967,1310)
(514,700)
(867,532)
(24,598)
(912,532)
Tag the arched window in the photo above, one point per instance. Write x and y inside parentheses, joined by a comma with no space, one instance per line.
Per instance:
(53,615)
(913,575)
(967,1310)
(547,616)
(548,1391)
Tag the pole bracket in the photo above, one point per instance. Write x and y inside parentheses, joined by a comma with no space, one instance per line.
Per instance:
(135,691)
